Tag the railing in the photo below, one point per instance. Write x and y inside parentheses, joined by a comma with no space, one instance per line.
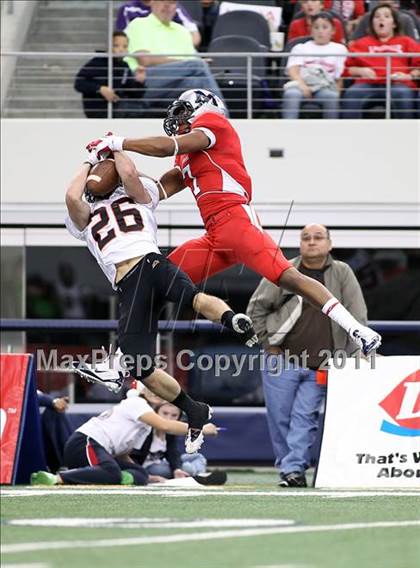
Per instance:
(15,324)
(251,83)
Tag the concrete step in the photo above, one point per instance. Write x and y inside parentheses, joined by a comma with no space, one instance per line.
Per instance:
(30,113)
(64,91)
(88,47)
(68,25)
(36,103)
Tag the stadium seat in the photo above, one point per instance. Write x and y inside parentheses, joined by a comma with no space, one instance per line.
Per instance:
(407,23)
(244,23)
(231,73)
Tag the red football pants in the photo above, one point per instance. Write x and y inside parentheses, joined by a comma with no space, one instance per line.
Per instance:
(232,236)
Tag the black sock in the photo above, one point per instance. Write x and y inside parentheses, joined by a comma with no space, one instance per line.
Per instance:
(184,402)
(226,319)
(193,409)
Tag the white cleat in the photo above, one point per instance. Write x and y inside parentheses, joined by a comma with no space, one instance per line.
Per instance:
(194,440)
(109,373)
(195,437)
(367,339)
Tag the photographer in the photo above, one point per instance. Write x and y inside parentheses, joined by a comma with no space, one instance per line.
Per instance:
(297,339)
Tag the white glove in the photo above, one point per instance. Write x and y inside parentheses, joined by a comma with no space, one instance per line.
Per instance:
(92,158)
(104,146)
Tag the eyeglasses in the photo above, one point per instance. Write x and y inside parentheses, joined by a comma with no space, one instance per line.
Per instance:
(308,238)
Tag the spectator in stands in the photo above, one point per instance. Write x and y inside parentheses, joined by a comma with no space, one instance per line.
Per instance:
(141,9)
(210,15)
(92,82)
(167,76)
(370,73)
(55,426)
(301,27)
(312,77)
(350,11)
(159,454)
(294,386)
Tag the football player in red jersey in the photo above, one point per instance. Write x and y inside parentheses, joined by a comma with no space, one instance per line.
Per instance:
(208,160)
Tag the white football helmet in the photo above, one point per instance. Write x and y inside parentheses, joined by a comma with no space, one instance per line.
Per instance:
(188,106)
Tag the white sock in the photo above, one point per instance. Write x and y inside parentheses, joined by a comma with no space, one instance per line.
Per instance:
(338,313)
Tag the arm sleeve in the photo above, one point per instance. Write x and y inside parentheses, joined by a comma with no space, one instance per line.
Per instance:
(136,37)
(74,231)
(45,399)
(261,304)
(89,79)
(153,190)
(213,125)
(296,57)
(354,46)
(413,46)
(352,296)
(121,21)
(341,61)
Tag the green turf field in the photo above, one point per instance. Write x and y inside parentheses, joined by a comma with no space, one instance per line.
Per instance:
(249,523)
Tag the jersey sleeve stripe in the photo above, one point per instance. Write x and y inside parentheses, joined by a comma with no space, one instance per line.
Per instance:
(210,135)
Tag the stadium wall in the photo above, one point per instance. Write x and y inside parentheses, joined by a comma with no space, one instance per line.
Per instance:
(350,173)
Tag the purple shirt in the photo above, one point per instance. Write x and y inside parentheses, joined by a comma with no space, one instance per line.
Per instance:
(136,9)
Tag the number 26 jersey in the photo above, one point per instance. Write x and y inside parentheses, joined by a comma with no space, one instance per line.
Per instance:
(119,228)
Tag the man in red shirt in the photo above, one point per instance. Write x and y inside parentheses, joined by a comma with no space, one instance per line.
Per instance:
(209,161)
(301,27)
(370,73)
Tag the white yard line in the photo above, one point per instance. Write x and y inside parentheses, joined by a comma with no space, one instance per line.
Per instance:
(34,492)
(145,523)
(189,537)
(31,565)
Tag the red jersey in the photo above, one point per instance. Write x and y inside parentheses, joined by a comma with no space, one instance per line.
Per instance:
(397,44)
(301,28)
(217,175)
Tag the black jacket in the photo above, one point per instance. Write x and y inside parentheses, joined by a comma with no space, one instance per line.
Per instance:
(172,453)
(94,74)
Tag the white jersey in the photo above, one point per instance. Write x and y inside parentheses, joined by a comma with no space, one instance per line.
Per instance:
(119,429)
(119,228)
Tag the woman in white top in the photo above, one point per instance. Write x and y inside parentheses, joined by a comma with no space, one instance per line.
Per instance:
(315,68)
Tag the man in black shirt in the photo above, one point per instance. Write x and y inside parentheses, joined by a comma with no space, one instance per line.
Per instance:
(126,90)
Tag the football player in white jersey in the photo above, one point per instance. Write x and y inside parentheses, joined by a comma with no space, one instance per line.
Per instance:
(98,451)
(120,231)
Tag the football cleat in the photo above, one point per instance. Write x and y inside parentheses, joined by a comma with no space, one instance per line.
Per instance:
(43,478)
(367,339)
(195,436)
(242,325)
(109,373)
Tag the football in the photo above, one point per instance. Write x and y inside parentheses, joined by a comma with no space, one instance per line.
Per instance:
(103,178)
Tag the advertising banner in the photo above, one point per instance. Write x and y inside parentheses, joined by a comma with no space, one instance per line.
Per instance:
(371,434)
(21,448)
